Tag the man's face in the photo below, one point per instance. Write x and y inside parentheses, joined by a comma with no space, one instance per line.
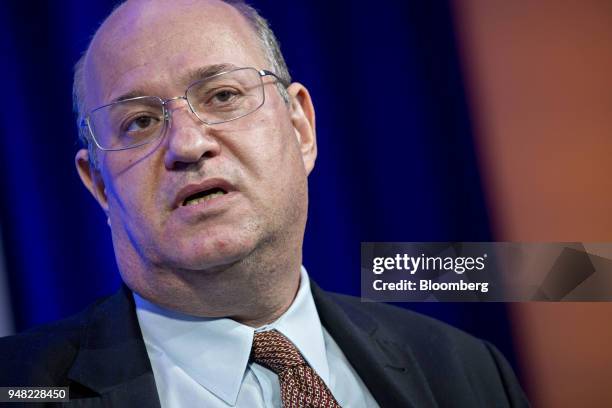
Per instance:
(261,161)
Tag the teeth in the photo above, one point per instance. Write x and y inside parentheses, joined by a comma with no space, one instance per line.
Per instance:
(205,198)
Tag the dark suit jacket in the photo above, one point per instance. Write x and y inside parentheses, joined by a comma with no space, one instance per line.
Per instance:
(405,359)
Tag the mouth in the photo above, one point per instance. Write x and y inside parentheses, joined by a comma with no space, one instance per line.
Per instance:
(194,194)
(202,196)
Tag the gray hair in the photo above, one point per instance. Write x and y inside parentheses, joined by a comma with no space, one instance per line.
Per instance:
(267,41)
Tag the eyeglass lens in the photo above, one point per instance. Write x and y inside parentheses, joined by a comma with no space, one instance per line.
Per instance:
(220,98)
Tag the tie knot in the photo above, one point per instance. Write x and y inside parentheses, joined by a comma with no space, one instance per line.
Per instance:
(273,350)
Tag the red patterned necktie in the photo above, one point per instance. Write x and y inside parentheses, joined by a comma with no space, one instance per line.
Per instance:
(301,386)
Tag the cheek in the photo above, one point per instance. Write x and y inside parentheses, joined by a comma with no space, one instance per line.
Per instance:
(130,193)
(278,142)
(283,167)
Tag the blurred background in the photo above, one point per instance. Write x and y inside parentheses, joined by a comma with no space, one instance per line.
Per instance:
(465,120)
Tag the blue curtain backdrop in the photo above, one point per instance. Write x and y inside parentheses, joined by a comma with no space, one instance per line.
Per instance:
(396,159)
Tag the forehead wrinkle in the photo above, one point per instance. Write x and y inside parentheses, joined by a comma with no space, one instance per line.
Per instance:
(190,77)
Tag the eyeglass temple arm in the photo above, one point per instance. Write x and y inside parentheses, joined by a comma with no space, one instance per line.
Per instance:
(265,72)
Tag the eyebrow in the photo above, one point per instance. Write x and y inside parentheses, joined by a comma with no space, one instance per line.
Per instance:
(188,78)
(206,72)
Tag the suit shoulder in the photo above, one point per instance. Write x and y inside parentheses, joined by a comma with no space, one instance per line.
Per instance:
(440,351)
(407,326)
(388,315)
(43,353)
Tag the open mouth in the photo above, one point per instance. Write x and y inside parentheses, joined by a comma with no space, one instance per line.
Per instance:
(204,195)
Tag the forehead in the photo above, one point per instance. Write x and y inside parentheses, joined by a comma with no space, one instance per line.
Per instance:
(150,46)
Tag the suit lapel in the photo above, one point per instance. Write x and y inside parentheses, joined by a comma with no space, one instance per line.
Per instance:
(390,370)
(112,359)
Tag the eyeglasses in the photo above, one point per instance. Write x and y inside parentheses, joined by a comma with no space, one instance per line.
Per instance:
(219,98)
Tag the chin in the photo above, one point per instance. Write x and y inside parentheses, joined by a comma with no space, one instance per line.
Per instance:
(210,254)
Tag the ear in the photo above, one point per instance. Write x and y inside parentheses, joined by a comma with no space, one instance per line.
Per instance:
(91,178)
(303,119)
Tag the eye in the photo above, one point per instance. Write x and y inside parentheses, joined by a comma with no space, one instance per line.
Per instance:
(224,96)
(141,123)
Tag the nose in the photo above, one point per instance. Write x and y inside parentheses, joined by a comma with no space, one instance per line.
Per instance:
(188,139)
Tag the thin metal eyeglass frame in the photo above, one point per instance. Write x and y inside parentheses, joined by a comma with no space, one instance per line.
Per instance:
(166,113)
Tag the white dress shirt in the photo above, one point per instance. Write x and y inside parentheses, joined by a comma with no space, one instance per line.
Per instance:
(205,362)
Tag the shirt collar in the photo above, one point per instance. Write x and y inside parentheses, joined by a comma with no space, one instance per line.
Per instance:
(215,352)
(301,324)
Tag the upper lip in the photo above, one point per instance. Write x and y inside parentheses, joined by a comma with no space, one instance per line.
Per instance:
(207,184)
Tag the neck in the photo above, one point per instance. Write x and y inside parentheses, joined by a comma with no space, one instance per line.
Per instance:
(267,316)
(253,291)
